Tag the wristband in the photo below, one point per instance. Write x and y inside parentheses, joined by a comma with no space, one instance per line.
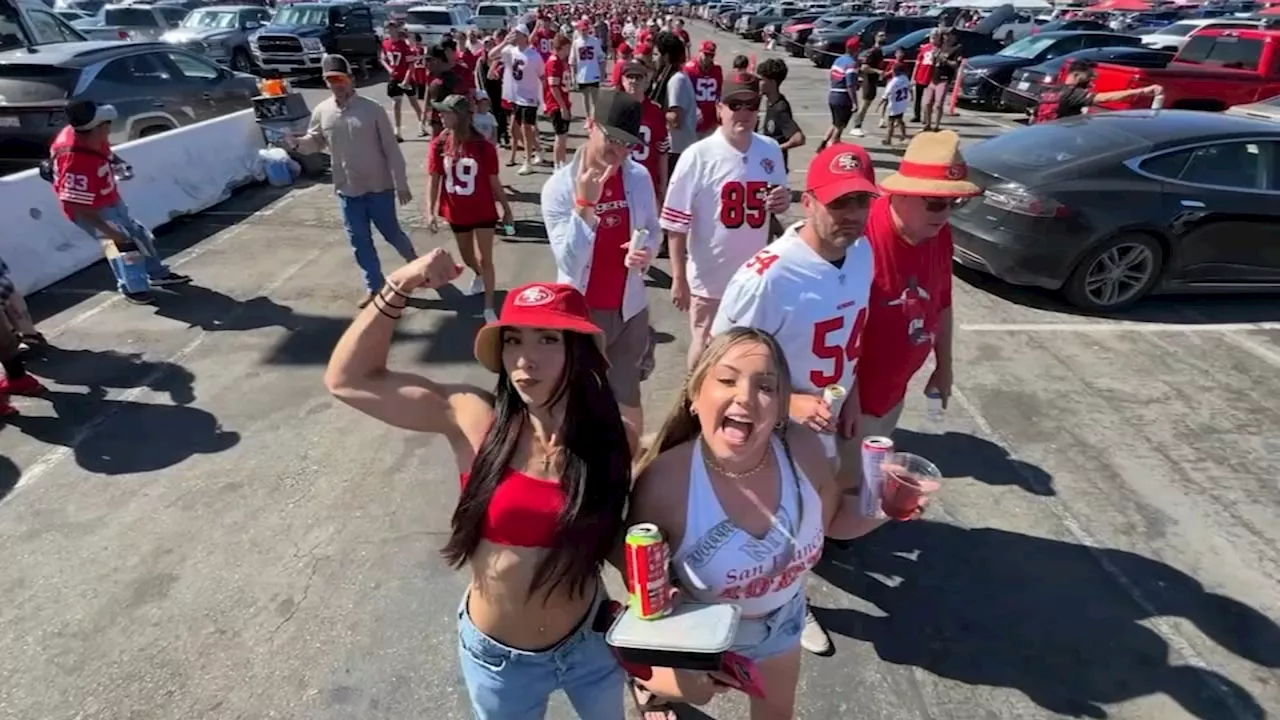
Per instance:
(583,203)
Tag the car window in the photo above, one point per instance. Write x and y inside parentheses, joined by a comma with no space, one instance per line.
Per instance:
(173,15)
(429,17)
(492,11)
(48,28)
(1240,165)
(193,67)
(141,69)
(1223,50)
(129,17)
(1178,29)
(1064,46)
(1028,47)
(1168,165)
(360,21)
(37,83)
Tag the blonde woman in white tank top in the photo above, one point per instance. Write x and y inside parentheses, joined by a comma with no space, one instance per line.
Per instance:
(744,498)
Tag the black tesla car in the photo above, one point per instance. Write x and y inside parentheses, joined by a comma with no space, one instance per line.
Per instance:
(1026,84)
(827,44)
(1111,206)
(985,76)
(971,44)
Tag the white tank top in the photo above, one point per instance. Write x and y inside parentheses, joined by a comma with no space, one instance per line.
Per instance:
(718,561)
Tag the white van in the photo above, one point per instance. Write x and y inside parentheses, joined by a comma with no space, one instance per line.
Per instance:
(490,17)
(432,22)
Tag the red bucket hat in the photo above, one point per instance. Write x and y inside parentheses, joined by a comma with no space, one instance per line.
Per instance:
(547,306)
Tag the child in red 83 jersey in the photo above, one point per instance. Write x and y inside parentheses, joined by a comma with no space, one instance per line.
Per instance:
(464,189)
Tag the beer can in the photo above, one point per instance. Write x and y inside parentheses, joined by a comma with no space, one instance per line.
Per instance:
(1157,102)
(833,396)
(638,239)
(875,450)
(648,571)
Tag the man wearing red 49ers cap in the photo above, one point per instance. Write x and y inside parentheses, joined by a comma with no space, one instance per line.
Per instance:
(810,290)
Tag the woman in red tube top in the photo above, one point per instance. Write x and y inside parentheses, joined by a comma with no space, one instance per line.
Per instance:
(545,465)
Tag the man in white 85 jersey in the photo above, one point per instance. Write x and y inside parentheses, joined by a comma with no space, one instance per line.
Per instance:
(810,290)
(719,199)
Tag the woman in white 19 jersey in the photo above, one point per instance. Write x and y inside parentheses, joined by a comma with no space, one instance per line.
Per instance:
(719,199)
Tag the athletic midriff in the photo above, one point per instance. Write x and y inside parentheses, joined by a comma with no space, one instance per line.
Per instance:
(518,532)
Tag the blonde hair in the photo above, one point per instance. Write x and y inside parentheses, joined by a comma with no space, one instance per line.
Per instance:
(681,425)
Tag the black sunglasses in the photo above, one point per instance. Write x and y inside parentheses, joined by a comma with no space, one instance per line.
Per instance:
(736,105)
(937,205)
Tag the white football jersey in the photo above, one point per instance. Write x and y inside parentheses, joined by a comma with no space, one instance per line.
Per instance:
(814,309)
(588,55)
(716,196)
(525,68)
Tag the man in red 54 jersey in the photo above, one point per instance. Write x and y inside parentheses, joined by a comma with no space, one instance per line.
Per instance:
(397,60)
(463,189)
(652,152)
(708,81)
(810,289)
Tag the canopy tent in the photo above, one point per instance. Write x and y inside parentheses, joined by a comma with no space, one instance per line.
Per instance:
(1270,10)
(1122,6)
(991,4)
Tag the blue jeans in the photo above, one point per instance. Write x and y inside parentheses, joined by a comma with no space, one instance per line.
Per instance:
(773,634)
(118,215)
(378,208)
(509,684)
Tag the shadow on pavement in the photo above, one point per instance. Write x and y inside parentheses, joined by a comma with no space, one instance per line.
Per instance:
(98,370)
(121,437)
(1002,609)
(210,310)
(10,473)
(1184,309)
(963,455)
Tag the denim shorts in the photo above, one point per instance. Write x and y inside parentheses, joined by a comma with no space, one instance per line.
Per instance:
(509,684)
(773,634)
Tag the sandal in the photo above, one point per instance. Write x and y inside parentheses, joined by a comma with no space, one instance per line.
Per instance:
(648,704)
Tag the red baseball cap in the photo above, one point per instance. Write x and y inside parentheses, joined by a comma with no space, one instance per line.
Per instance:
(645,48)
(841,169)
(707,48)
(547,306)
(852,42)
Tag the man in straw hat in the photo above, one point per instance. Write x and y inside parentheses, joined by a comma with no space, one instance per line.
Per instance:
(809,289)
(909,313)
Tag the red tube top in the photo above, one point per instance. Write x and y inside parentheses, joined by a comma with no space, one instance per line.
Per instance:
(524,511)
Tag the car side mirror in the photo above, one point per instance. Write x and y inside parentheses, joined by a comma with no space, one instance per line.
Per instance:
(252,25)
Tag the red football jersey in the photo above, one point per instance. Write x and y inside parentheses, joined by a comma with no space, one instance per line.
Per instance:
(418,74)
(82,178)
(541,40)
(397,57)
(656,143)
(466,79)
(466,195)
(707,84)
(560,76)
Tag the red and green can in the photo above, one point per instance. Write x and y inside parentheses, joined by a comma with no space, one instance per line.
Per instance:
(648,571)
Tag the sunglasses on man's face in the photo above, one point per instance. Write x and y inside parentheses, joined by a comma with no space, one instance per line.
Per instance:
(938,205)
(736,105)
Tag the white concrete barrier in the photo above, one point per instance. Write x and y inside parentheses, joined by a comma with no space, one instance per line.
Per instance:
(176,173)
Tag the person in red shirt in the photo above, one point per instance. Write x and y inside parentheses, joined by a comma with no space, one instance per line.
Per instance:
(465,73)
(84,179)
(923,69)
(909,312)
(543,38)
(625,55)
(678,29)
(555,96)
(652,154)
(16,380)
(397,59)
(417,80)
(708,80)
(464,189)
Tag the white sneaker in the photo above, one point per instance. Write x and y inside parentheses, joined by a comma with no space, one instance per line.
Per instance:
(490,316)
(477,286)
(814,638)
(881,123)
(857,132)
(539,160)
(525,170)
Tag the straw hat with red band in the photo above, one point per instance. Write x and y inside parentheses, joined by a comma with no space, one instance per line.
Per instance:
(932,167)
(546,306)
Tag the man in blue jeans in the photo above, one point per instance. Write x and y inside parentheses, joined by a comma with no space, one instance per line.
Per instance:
(368,168)
(83,172)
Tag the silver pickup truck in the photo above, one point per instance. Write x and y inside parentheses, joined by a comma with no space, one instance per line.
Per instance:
(221,33)
(132,22)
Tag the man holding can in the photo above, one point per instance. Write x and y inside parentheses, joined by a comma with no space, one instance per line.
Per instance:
(810,290)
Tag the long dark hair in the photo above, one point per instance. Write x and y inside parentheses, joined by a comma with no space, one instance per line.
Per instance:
(671,56)
(595,473)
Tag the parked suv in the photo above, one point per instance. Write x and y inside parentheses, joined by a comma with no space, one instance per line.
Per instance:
(495,16)
(220,33)
(825,45)
(26,23)
(432,22)
(300,34)
(154,86)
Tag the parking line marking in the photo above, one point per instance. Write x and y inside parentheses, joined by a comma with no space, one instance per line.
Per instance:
(178,260)
(1119,327)
(1155,617)
(47,461)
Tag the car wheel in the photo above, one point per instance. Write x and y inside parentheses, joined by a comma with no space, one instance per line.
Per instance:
(152,130)
(241,62)
(1116,274)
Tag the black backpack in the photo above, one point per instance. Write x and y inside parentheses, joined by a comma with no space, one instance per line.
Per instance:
(46,165)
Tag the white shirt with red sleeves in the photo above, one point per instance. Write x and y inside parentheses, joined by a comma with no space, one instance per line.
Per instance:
(716,196)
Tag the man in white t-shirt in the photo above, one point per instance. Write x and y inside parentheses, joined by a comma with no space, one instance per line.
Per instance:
(810,290)
(587,60)
(719,199)
(522,70)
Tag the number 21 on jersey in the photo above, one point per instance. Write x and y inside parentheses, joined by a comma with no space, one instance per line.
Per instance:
(837,341)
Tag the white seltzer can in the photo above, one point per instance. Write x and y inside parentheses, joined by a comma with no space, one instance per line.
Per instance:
(833,396)
(875,450)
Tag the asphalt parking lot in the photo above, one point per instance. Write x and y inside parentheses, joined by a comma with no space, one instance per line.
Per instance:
(193,529)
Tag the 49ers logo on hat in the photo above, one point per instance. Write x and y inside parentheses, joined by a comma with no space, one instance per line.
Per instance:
(534,296)
(957,172)
(846,163)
